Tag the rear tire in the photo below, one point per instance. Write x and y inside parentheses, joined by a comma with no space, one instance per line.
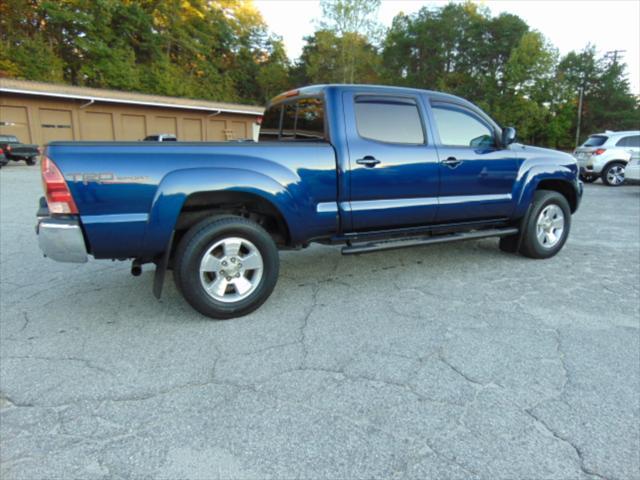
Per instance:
(548,226)
(226,267)
(613,174)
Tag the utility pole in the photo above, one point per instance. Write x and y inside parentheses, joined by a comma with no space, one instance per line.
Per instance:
(581,90)
(613,54)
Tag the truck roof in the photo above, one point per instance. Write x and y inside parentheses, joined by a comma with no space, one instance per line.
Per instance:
(319,88)
(315,89)
(381,89)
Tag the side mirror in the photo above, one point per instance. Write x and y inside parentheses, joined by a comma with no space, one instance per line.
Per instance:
(508,136)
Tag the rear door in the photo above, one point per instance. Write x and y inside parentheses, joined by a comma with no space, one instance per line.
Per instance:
(477,175)
(393,166)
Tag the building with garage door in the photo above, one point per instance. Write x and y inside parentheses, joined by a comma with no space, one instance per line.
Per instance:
(40,113)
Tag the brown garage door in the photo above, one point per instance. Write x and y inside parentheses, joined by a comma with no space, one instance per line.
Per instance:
(239,130)
(215,131)
(192,130)
(134,127)
(165,125)
(97,126)
(56,125)
(14,121)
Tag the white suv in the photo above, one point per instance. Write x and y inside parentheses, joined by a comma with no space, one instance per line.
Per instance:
(605,155)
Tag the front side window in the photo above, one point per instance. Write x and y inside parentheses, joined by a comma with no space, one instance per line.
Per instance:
(595,141)
(389,119)
(630,141)
(461,129)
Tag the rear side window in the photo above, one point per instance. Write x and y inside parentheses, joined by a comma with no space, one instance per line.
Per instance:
(595,141)
(631,141)
(389,119)
(461,129)
(300,120)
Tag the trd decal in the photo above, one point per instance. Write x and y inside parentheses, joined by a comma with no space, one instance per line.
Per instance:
(104,178)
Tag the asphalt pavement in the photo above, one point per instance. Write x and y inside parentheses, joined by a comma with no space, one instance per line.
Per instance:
(453,361)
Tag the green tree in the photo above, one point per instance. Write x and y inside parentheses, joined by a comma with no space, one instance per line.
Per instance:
(322,60)
(194,48)
(608,103)
(273,75)
(345,37)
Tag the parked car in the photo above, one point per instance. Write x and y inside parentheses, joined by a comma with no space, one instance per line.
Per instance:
(162,137)
(605,155)
(16,151)
(369,167)
(632,171)
(3,159)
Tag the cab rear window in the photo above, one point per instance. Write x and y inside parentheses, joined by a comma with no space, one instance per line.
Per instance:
(296,121)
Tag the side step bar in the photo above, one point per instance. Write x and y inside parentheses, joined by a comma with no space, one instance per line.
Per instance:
(415,241)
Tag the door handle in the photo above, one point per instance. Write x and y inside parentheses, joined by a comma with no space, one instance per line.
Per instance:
(368,161)
(452,162)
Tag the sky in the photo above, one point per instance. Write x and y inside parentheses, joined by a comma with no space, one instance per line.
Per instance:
(567,24)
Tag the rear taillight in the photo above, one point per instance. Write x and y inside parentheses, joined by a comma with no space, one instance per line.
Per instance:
(599,151)
(1,151)
(56,190)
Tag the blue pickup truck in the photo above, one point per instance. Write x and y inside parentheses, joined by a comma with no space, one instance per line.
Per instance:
(368,167)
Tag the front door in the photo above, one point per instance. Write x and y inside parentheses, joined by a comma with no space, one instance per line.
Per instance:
(477,175)
(393,167)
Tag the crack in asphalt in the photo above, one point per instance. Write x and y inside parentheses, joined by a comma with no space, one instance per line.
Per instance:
(87,363)
(563,439)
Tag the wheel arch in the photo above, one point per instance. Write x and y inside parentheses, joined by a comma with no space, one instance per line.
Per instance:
(188,195)
(251,205)
(563,187)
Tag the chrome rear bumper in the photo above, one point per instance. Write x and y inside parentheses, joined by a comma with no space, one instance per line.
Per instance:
(61,239)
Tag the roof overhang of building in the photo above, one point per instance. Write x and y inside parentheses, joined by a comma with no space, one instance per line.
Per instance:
(95,99)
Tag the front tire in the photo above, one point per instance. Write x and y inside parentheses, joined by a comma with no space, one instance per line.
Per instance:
(226,267)
(613,174)
(548,226)
(30,161)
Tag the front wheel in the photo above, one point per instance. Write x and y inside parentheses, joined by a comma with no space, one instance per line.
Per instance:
(226,267)
(30,161)
(548,226)
(613,174)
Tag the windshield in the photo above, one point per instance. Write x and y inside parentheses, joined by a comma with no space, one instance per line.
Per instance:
(595,141)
